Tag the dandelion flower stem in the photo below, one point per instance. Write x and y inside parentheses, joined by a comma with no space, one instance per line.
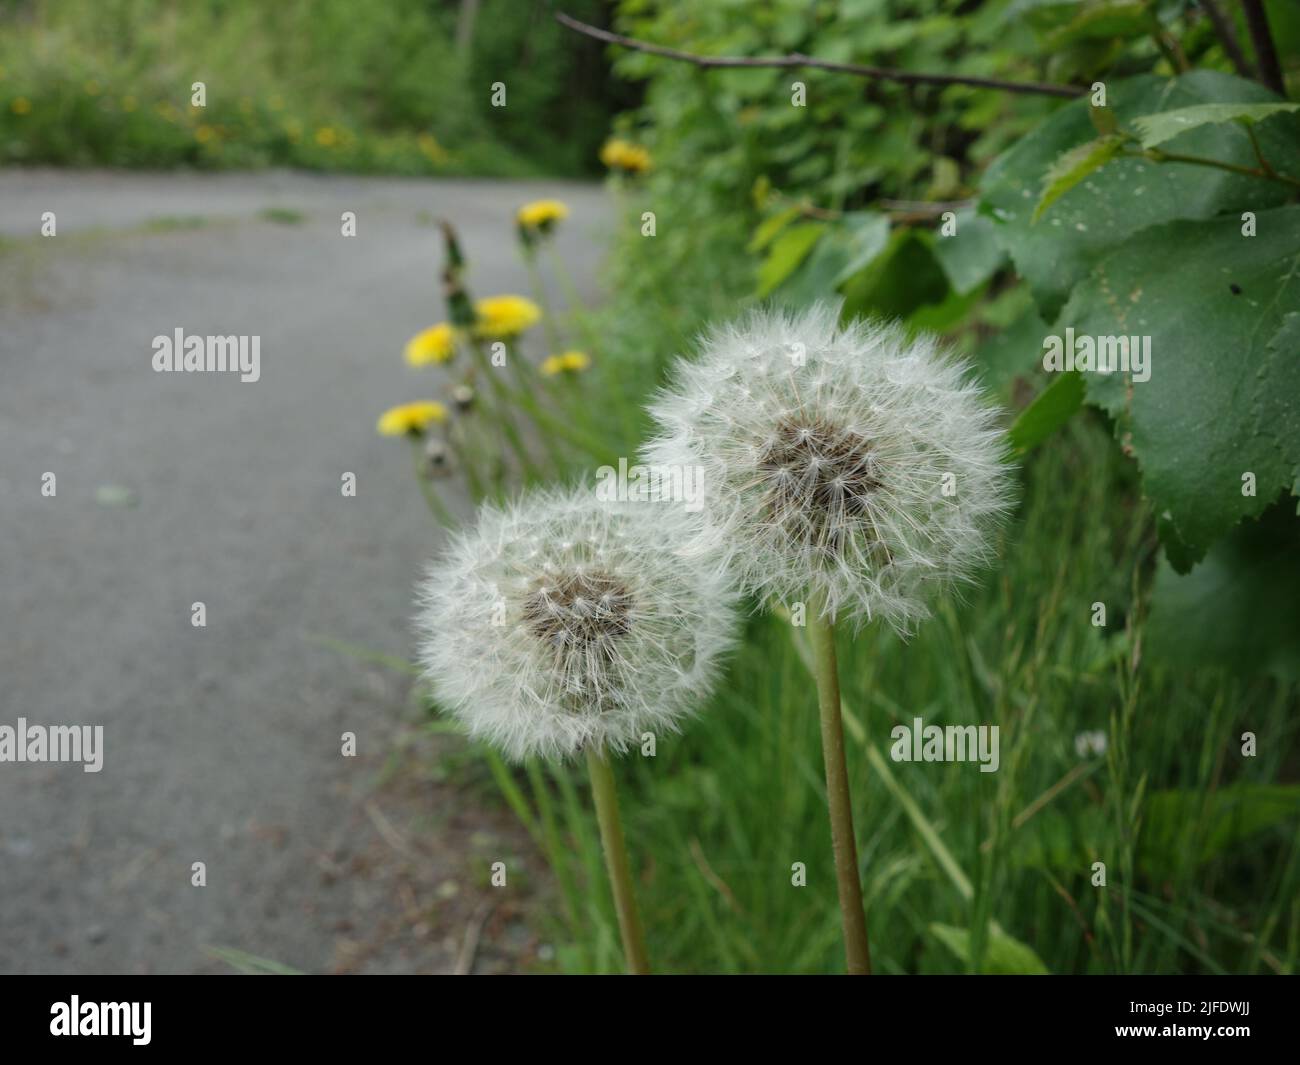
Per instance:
(821,632)
(620,874)
(436,506)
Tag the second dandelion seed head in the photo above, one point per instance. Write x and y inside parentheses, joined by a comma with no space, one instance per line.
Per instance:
(849,462)
(561,623)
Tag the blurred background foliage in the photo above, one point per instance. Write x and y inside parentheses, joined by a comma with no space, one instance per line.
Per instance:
(398,86)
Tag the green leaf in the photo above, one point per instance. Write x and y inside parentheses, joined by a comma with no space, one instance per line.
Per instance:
(845,247)
(788,251)
(770,227)
(868,233)
(1221,401)
(1113,204)
(972,254)
(1239,607)
(903,278)
(1158,128)
(1184,824)
(1073,167)
(1004,955)
(1012,352)
(1052,408)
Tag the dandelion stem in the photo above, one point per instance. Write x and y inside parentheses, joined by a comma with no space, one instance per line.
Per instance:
(436,506)
(620,874)
(821,632)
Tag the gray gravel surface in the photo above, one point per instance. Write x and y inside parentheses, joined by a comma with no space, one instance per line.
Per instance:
(222,743)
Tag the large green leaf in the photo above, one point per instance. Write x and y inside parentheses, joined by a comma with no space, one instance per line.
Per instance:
(1156,129)
(1004,955)
(1224,383)
(1240,608)
(1113,204)
(788,251)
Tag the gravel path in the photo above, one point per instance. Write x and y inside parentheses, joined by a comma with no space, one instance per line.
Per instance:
(222,743)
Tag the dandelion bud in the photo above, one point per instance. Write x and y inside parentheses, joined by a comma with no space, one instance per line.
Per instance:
(849,462)
(437,459)
(561,623)
(463,397)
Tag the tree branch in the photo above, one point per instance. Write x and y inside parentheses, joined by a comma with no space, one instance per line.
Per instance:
(1270,74)
(1227,37)
(796,60)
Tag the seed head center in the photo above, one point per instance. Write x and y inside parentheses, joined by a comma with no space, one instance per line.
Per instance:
(819,470)
(578,610)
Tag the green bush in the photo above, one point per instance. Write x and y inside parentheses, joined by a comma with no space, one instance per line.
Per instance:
(324,84)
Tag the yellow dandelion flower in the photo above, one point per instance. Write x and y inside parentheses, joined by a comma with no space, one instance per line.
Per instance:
(204,133)
(92,88)
(326,137)
(612,151)
(129,103)
(436,344)
(569,362)
(618,154)
(21,105)
(541,214)
(503,317)
(411,419)
(429,145)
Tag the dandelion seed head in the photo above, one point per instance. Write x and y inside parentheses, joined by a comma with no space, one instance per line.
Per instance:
(562,622)
(869,470)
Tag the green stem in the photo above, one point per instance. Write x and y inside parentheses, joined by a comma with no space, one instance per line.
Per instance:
(616,863)
(821,632)
(526,381)
(436,506)
(593,447)
(1159,155)
(576,308)
(465,449)
(553,341)
(501,410)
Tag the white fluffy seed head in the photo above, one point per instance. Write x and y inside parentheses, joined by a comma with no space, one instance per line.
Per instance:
(841,460)
(561,623)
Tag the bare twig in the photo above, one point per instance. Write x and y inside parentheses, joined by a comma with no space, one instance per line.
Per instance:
(1270,74)
(796,59)
(473,933)
(1227,37)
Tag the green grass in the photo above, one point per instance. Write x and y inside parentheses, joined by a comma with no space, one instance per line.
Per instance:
(284,216)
